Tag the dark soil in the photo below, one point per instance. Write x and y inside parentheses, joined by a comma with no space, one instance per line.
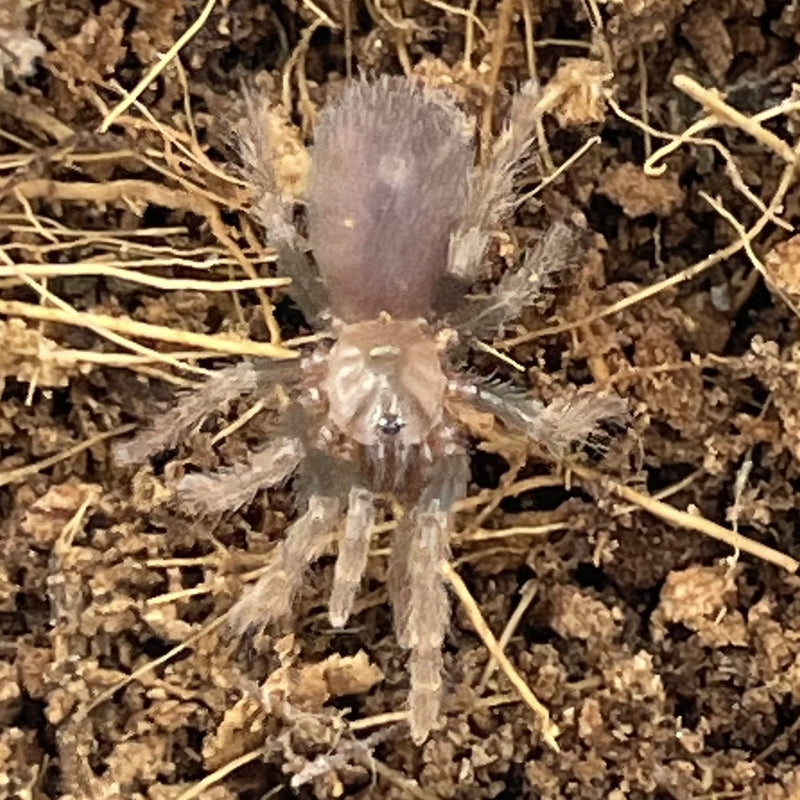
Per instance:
(670,663)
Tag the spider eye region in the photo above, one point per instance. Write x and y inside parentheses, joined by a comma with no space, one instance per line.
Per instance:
(391,424)
(385,380)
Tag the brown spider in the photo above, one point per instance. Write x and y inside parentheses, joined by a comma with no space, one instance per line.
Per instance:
(399,220)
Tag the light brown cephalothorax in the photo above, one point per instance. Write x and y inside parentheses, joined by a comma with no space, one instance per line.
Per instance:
(385,378)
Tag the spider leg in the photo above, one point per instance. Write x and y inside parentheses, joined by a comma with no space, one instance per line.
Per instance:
(224,386)
(398,584)
(256,145)
(232,487)
(353,552)
(273,210)
(168,428)
(272,595)
(491,190)
(428,616)
(419,598)
(560,248)
(566,421)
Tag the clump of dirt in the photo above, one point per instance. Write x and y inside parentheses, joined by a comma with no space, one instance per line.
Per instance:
(669,660)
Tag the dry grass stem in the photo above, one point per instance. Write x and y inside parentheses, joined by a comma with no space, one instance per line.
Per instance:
(378,720)
(297,54)
(159,66)
(549,728)
(113,191)
(689,136)
(741,232)
(724,253)
(124,325)
(508,480)
(21,473)
(505,11)
(459,12)
(86,709)
(654,168)
(66,356)
(143,278)
(487,535)
(503,357)
(528,593)
(180,594)
(215,777)
(712,101)
(684,519)
(190,198)
(321,15)
(239,422)
(530,43)
(393,717)
(469,36)
(484,553)
(561,169)
(187,145)
(100,330)
(410,787)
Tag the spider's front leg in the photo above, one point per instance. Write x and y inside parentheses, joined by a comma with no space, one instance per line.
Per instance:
(230,488)
(168,428)
(306,540)
(351,561)
(419,599)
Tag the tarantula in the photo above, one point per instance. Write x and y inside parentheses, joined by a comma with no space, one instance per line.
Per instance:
(399,218)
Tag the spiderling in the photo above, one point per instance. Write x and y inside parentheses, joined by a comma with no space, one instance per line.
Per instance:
(398,219)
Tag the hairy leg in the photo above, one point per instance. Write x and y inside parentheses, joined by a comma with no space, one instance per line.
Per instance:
(353,552)
(398,584)
(272,595)
(565,422)
(491,191)
(272,208)
(256,144)
(168,428)
(559,250)
(420,604)
(233,487)
(428,616)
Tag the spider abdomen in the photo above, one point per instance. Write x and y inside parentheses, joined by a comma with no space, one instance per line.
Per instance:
(387,188)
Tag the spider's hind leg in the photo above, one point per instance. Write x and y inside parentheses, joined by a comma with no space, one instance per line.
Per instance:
(321,481)
(259,144)
(491,195)
(561,249)
(428,616)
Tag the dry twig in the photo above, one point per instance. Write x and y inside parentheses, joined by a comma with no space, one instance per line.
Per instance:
(159,66)
(549,728)
(684,519)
